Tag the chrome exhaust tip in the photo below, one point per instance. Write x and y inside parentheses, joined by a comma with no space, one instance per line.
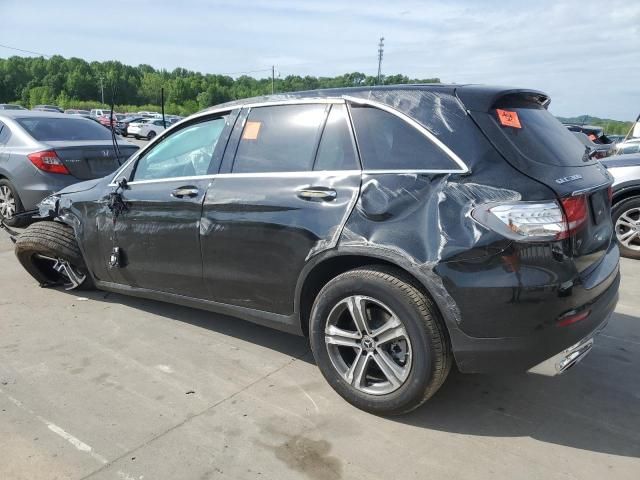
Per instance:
(563,361)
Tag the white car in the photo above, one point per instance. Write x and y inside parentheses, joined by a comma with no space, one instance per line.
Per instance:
(147,128)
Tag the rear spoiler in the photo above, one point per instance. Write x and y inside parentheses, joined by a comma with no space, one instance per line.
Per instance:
(483,99)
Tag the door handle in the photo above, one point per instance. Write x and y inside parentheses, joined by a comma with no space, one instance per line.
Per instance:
(318,193)
(185,192)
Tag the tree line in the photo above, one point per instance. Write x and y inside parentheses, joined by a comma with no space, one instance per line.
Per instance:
(76,83)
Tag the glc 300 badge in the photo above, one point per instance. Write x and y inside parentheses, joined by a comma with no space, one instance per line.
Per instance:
(570,178)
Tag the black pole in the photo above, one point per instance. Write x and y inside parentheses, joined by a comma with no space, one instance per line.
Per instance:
(164,123)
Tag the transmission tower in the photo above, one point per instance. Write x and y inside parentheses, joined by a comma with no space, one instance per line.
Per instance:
(380,54)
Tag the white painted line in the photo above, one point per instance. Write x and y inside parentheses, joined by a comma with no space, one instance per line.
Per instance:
(77,443)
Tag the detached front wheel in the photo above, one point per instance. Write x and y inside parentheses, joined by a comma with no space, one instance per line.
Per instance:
(50,253)
(379,341)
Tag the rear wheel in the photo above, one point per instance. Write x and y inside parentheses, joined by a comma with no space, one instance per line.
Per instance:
(626,218)
(10,204)
(50,253)
(151,134)
(379,341)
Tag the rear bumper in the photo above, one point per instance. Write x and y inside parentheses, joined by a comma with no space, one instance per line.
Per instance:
(543,351)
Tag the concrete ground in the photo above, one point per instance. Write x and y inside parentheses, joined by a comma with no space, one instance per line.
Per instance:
(109,387)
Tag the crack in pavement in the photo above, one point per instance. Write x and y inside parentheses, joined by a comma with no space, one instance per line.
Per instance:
(195,415)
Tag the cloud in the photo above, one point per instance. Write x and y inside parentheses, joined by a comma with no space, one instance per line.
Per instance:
(585,54)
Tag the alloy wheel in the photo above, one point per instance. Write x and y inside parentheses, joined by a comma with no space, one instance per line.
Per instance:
(368,345)
(72,277)
(7,202)
(628,229)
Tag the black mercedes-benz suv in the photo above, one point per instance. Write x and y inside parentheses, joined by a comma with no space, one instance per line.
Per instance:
(402,229)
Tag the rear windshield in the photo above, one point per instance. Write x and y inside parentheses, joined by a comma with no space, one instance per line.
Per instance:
(47,129)
(542,138)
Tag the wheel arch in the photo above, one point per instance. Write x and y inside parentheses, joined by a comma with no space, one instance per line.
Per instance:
(625,193)
(323,269)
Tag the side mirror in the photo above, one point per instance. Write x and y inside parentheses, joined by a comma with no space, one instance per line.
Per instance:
(123,184)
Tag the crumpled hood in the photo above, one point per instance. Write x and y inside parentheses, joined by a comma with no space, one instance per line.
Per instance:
(81,186)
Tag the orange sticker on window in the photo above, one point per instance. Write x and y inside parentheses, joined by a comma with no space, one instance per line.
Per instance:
(508,118)
(251,131)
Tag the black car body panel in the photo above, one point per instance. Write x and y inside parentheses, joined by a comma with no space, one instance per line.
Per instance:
(248,244)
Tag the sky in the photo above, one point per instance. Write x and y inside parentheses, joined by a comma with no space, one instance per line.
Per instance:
(584,53)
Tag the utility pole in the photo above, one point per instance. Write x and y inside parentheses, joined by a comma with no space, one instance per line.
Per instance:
(102,88)
(380,53)
(164,122)
(273,79)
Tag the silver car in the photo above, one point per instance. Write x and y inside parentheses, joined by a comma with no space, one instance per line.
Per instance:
(42,152)
(626,201)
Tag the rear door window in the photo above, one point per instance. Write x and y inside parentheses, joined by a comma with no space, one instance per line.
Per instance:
(387,142)
(540,137)
(280,138)
(336,150)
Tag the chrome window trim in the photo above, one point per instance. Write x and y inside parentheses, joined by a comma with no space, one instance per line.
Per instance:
(418,126)
(298,174)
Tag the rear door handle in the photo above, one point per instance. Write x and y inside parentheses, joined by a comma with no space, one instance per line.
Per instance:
(183,192)
(317,193)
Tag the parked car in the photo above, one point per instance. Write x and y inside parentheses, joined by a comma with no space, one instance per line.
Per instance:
(123,125)
(9,106)
(78,113)
(596,150)
(108,121)
(402,228)
(593,132)
(626,201)
(47,108)
(42,152)
(629,146)
(145,128)
(616,138)
(100,112)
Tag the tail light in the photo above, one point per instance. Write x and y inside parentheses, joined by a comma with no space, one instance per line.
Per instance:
(576,211)
(534,221)
(48,161)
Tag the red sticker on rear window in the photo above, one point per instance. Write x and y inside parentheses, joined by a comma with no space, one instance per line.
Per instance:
(508,118)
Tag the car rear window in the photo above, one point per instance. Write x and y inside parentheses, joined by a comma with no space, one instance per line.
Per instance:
(46,129)
(387,142)
(540,137)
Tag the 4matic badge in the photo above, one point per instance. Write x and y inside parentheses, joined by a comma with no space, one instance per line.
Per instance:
(570,178)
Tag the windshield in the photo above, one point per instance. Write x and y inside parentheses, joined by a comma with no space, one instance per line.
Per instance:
(542,138)
(47,129)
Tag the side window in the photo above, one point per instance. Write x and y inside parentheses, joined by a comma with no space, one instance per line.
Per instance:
(279,139)
(5,134)
(387,142)
(336,150)
(184,153)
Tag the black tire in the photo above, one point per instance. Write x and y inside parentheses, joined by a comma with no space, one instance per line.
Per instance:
(430,348)
(54,240)
(150,135)
(630,207)
(19,208)
(137,137)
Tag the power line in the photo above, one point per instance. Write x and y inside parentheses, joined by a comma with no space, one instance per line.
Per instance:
(25,51)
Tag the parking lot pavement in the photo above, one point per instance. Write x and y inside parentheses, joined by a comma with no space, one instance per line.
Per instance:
(102,386)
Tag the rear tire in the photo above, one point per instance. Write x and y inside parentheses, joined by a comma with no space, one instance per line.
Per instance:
(387,373)
(52,240)
(626,221)
(150,135)
(10,204)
